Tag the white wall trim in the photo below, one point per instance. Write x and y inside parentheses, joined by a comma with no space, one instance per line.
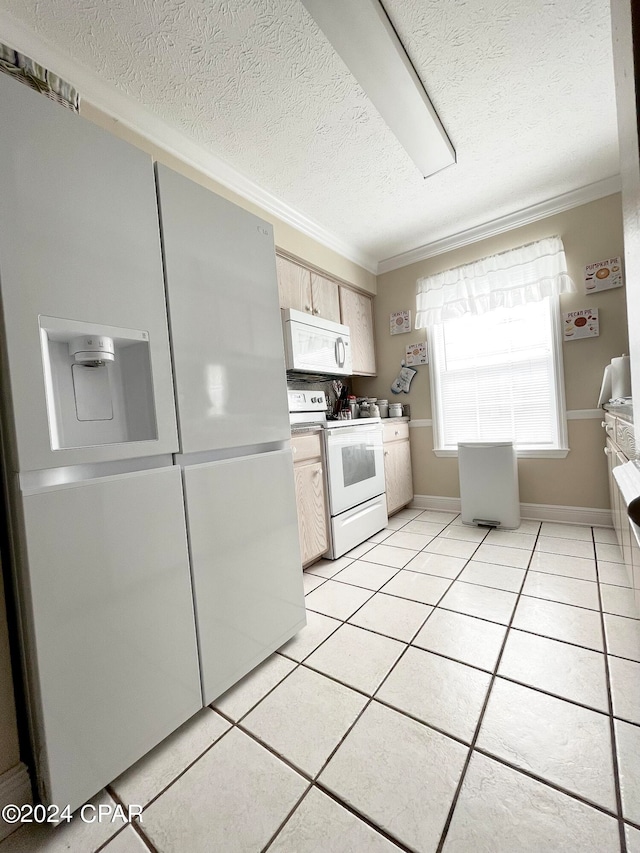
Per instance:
(548,453)
(585,414)
(141,120)
(539,512)
(15,788)
(435,502)
(592,192)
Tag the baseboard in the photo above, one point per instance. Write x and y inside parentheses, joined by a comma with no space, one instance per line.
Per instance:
(435,502)
(538,512)
(15,788)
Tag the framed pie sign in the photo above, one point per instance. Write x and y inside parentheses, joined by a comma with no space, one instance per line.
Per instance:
(580,324)
(400,322)
(603,275)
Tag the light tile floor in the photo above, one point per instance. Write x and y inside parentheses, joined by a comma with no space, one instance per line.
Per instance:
(454,690)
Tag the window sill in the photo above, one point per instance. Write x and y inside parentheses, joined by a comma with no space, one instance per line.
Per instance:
(549,453)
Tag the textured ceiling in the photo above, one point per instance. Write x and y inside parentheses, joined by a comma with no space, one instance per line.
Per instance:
(524,89)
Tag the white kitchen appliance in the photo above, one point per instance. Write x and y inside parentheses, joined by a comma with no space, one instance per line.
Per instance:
(355,471)
(99,558)
(235,440)
(315,345)
(99,473)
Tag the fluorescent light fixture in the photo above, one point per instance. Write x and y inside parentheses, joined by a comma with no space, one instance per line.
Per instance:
(362,35)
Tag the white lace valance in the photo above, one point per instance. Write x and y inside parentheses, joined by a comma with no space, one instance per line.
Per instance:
(526,274)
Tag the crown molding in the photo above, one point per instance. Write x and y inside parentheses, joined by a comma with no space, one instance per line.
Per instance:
(591,192)
(141,120)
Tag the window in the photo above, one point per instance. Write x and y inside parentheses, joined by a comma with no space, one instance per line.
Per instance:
(498,377)
(496,353)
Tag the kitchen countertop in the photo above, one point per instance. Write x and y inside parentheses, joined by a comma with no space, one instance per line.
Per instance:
(305,429)
(620,410)
(302,429)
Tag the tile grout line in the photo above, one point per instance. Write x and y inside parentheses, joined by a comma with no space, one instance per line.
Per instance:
(287,818)
(612,729)
(313,782)
(465,767)
(370,699)
(134,824)
(547,782)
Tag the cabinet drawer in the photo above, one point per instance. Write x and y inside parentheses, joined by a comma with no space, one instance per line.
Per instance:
(306,447)
(397,431)
(625,438)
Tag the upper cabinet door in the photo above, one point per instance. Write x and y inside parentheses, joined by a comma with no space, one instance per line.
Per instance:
(79,241)
(357,313)
(226,330)
(324,297)
(294,285)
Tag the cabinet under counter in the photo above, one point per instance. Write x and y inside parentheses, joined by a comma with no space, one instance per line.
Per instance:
(311,494)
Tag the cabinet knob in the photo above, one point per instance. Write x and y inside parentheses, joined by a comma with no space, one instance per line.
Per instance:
(317,472)
(397,432)
(604,424)
(307,308)
(315,311)
(386,453)
(607,452)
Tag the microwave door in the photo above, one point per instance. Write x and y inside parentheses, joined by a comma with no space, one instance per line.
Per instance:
(313,349)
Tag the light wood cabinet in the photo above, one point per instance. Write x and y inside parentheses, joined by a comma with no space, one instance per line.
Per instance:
(356,311)
(620,447)
(397,465)
(305,290)
(324,298)
(308,470)
(294,285)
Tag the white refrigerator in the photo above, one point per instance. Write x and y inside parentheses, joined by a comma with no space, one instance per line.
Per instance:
(104,571)
(99,556)
(233,425)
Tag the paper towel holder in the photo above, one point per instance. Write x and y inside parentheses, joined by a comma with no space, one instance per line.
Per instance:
(616,381)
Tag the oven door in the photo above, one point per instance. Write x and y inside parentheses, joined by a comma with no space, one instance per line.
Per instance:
(355,463)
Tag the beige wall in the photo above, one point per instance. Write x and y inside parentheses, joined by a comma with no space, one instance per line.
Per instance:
(286,237)
(590,233)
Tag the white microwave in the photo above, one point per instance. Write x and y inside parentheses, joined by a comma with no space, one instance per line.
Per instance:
(315,345)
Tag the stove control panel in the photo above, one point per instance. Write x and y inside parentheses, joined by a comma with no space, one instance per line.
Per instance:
(307,401)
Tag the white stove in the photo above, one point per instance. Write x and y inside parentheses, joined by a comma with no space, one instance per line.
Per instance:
(355,470)
(310,408)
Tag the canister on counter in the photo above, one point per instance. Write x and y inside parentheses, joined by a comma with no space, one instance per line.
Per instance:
(383,405)
(395,410)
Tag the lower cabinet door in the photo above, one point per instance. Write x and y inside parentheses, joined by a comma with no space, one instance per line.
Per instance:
(312,516)
(398,478)
(245,560)
(110,641)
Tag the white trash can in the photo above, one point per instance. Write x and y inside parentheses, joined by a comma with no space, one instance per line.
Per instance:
(489,493)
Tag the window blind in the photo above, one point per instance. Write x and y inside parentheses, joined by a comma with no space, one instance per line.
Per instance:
(495,378)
